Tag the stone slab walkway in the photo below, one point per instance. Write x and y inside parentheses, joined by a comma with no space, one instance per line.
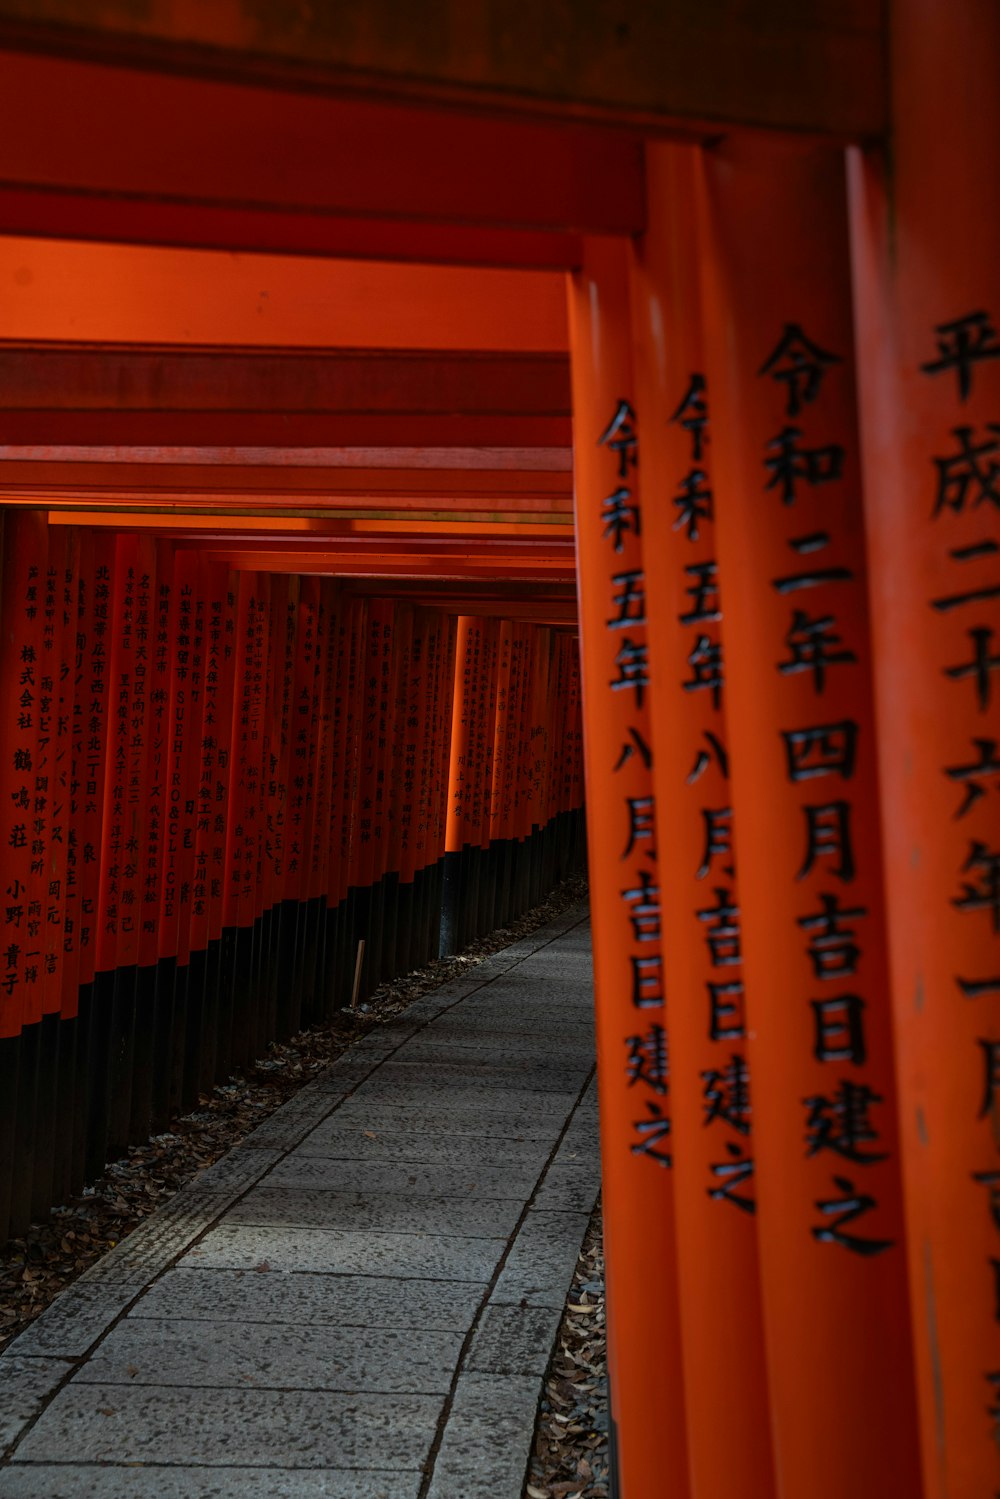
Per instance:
(357,1302)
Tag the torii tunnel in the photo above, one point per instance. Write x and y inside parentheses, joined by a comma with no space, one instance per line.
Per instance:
(401,409)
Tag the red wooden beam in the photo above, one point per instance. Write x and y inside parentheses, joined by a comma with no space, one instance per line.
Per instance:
(130,381)
(217,164)
(135,294)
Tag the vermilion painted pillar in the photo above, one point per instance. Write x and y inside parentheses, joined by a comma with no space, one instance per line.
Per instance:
(351,820)
(461,785)
(791,554)
(74,800)
(444,655)
(647,1395)
(21,988)
(927,266)
(712,1092)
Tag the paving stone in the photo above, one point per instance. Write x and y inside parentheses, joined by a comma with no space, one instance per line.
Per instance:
(25,1384)
(500,1018)
(382,1042)
(237,1170)
(510,1124)
(144,1351)
(390,1090)
(78,1316)
(442,1043)
(297,1300)
(514,1180)
(514,1340)
(291,1123)
(569,1188)
(442,1075)
(338,1080)
(554,1026)
(420,1147)
(582,1138)
(337,1252)
(487,1439)
(128,1423)
(540,1265)
(407,1213)
(45,1481)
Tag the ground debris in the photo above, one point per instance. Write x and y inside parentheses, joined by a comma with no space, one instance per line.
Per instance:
(569,1455)
(35,1268)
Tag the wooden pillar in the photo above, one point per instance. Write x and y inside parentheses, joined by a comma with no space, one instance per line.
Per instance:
(791,551)
(926,242)
(647,1395)
(698,891)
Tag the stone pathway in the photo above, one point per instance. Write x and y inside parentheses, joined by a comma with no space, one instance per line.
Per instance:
(357,1302)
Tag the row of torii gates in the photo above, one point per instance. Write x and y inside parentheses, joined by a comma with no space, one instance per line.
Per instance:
(292,390)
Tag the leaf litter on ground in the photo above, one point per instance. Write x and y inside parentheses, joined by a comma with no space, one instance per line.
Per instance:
(569,1455)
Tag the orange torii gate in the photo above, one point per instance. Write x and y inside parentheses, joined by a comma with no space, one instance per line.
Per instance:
(783,346)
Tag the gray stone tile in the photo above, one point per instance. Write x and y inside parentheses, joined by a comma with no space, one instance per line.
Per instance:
(514,1340)
(391,1091)
(47,1481)
(479,1046)
(570,1187)
(406,1213)
(297,1300)
(373,1118)
(540,1265)
(462,1147)
(236,1170)
(334,1252)
(501,1019)
(487,1439)
(25,1384)
(144,1351)
(126,1424)
(583,1137)
(79,1315)
(343,1075)
(288,1125)
(442,1076)
(514,1179)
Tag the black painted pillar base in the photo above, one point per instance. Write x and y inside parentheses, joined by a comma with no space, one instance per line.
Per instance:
(62,1166)
(81,1071)
(224,1030)
(194,1029)
(24,1131)
(163,1041)
(404,926)
(43,1146)
(120,1061)
(451,904)
(143,1055)
(209,1069)
(390,919)
(178,1039)
(98,1075)
(10,1054)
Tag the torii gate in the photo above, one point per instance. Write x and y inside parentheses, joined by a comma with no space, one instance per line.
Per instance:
(783,342)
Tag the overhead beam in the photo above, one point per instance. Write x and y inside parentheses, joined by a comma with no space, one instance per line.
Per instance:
(227,165)
(137,294)
(805,65)
(57,394)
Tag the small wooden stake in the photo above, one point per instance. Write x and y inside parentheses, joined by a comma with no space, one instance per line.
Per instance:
(357,973)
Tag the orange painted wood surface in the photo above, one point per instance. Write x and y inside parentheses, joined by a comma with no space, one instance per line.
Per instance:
(712,1091)
(926,244)
(647,1391)
(792,554)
